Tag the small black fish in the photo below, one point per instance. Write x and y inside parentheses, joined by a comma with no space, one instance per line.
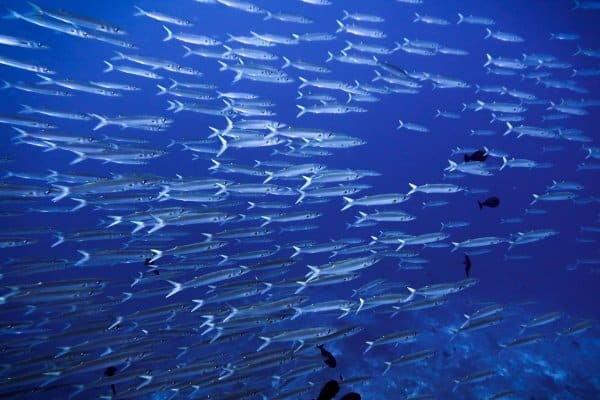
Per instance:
(329,391)
(491,202)
(329,359)
(479,155)
(111,371)
(351,396)
(467,263)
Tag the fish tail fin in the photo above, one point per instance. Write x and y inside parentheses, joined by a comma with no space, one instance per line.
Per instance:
(51,377)
(304,82)
(504,163)
(224,259)
(224,145)
(46,80)
(268,16)
(461,18)
(298,312)
(172,106)
(452,165)
(349,203)
(64,192)
(302,110)
(59,239)
(269,177)
(177,287)
(222,189)
(417,17)
(109,67)
(199,303)
(119,56)
(411,295)
(297,250)
(287,62)
(341,26)
(102,121)
(348,45)
(162,90)
(160,223)
(535,197)
(266,340)
(489,60)
(402,243)
(369,346)
(169,34)
(82,203)
(116,220)
(139,11)
(223,65)
(85,257)
(301,197)
(267,219)
(157,254)
(139,225)
(12,14)
(456,246)
(388,365)
(215,166)
(509,128)
(488,33)
(330,56)
(307,182)
(413,189)
(400,124)
(26,109)
(480,105)
(303,285)
(188,52)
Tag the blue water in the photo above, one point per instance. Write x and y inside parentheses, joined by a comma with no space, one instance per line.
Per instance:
(561,275)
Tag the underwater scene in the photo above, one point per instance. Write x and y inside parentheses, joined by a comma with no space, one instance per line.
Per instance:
(299,199)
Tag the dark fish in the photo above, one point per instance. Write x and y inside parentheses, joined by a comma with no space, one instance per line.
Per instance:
(351,396)
(328,357)
(467,263)
(111,371)
(479,155)
(329,391)
(491,202)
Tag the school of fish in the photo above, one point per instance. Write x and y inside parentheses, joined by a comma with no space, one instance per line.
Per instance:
(174,254)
